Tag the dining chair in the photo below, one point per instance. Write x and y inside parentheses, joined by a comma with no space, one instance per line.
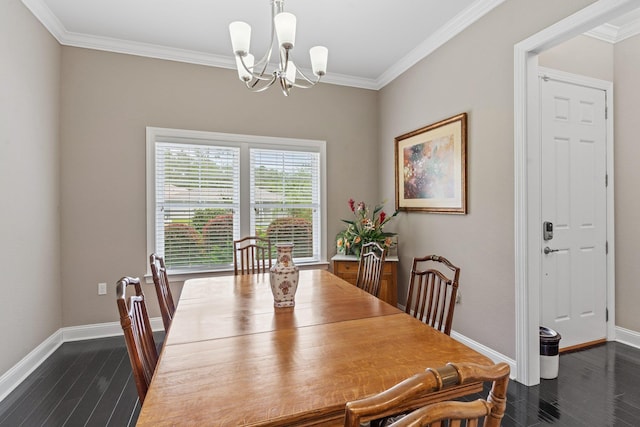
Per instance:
(432,293)
(370,267)
(251,254)
(397,398)
(138,335)
(163,290)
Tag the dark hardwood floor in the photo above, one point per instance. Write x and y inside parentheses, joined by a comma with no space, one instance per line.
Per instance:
(595,387)
(83,383)
(89,383)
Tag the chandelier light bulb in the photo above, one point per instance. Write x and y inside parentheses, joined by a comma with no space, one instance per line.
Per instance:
(286,29)
(240,37)
(291,72)
(243,74)
(319,56)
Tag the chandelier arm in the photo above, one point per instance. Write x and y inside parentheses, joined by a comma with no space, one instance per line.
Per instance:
(284,60)
(275,9)
(309,81)
(253,74)
(304,86)
(253,86)
(264,63)
(284,85)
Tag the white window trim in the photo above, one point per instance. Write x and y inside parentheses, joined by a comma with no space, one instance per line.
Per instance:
(290,144)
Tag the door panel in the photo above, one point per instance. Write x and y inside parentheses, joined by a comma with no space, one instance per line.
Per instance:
(573,131)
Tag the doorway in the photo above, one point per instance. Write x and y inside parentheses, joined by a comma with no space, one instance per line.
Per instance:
(527,178)
(573,132)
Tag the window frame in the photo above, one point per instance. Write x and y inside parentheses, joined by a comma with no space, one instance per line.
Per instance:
(245,143)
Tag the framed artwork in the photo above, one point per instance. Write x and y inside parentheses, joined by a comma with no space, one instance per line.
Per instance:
(431,168)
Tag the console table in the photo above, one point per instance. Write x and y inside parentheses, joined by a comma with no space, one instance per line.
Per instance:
(346,267)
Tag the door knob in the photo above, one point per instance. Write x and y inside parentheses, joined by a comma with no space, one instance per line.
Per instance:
(548,250)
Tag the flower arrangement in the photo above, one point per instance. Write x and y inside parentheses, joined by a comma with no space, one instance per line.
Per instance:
(366,227)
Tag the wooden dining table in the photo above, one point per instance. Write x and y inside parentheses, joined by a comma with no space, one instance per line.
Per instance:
(230,358)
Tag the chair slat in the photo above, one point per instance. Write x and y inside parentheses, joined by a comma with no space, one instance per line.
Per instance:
(370,268)
(432,294)
(251,254)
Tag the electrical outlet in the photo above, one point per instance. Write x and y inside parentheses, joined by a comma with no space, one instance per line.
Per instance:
(102,288)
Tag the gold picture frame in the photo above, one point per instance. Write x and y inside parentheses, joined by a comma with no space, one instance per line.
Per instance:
(430,166)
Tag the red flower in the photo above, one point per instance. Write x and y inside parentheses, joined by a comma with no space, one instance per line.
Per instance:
(352,205)
(382,217)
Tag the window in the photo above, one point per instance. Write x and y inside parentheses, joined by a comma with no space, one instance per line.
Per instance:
(206,189)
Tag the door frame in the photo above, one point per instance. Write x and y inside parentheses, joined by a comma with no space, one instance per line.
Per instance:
(527,173)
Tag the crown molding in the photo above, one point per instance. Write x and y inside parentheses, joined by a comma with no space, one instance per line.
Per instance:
(452,28)
(614,34)
(146,49)
(46,17)
(605,32)
(629,30)
(188,56)
(461,21)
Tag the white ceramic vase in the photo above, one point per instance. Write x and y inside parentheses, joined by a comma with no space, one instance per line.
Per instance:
(284,277)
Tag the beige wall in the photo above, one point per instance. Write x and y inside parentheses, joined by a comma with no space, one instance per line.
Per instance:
(30,305)
(581,55)
(472,73)
(107,101)
(627,175)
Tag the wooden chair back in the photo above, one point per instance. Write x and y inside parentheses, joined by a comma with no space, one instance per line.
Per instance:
(138,335)
(397,399)
(432,291)
(163,290)
(370,267)
(251,254)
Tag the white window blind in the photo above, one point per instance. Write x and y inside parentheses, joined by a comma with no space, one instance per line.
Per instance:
(206,189)
(197,204)
(285,199)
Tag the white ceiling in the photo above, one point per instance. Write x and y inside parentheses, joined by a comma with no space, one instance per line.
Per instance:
(370,41)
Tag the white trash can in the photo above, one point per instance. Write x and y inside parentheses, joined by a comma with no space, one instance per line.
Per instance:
(549,353)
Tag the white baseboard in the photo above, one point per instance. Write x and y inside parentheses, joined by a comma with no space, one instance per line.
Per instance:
(102,330)
(628,337)
(20,371)
(480,348)
(483,349)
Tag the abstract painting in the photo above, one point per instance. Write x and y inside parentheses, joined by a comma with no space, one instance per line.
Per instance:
(431,167)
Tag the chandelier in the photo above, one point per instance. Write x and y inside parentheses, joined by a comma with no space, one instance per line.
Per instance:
(257,75)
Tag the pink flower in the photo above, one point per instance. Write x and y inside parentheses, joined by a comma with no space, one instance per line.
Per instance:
(382,217)
(352,205)
(361,206)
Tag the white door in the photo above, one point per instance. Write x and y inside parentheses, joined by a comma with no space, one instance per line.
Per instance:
(574,284)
